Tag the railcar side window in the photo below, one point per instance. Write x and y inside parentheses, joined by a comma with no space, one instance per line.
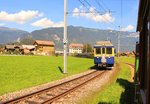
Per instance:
(103,50)
(109,50)
(98,50)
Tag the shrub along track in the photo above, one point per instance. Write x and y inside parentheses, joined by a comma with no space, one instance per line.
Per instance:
(55,92)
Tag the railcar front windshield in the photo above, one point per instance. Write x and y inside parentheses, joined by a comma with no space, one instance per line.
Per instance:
(109,50)
(98,50)
(103,50)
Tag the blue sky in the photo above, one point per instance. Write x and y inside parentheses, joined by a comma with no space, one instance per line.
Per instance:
(31,15)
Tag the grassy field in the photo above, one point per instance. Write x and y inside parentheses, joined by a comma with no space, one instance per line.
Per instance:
(119,91)
(19,72)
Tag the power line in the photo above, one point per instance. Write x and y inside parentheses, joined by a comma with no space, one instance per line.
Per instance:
(83,4)
(121,13)
(84,12)
(98,3)
(87,3)
(95,10)
(104,5)
(105,11)
(102,15)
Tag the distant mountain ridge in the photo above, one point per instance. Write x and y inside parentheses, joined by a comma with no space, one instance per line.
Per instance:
(11,34)
(75,35)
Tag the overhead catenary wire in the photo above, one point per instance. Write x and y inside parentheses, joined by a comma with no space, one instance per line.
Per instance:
(84,2)
(121,13)
(110,22)
(88,3)
(105,6)
(99,4)
(84,12)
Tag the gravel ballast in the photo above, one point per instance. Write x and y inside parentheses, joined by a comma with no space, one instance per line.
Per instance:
(72,98)
(39,87)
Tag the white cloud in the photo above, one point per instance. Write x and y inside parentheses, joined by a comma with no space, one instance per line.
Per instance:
(107,17)
(134,35)
(128,28)
(76,12)
(2,24)
(20,17)
(44,23)
(109,28)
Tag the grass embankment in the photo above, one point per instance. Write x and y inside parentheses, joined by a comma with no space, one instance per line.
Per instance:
(121,90)
(19,72)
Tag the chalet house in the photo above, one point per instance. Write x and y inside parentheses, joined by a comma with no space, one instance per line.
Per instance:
(28,48)
(59,52)
(44,47)
(75,48)
(12,48)
(1,50)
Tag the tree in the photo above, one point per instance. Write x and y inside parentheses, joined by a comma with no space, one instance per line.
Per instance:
(87,48)
(27,40)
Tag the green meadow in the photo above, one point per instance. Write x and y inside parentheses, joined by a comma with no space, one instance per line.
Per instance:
(120,90)
(19,72)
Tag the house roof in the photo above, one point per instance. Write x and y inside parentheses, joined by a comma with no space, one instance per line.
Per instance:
(28,46)
(76,45)
(41,42)
(13,46)
(104,43)
(1,49)
(18,46)
(9,46)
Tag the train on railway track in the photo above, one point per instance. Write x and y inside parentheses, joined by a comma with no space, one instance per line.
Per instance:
(104,53)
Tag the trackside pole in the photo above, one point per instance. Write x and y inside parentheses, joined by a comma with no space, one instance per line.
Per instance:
(65,41)
(118,43)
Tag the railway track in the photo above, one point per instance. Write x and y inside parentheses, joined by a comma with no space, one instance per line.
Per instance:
(53,93)
(132,65)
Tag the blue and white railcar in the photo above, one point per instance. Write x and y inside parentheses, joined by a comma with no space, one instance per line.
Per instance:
(104,53)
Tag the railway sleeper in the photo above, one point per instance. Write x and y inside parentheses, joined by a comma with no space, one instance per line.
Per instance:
(32,102)
(50,94)
(44,97)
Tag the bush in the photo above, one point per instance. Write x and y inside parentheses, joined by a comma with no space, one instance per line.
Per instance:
(84,55)
(6,52)
(30,53)
(17,52)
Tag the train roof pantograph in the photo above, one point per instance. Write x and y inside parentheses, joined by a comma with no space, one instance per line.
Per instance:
(103,44)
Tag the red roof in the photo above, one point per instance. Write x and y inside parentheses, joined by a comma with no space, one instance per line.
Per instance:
(41,42)
(76,45)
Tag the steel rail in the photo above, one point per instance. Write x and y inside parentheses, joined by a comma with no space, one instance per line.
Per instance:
(71,90)
(24,97)
(132,65)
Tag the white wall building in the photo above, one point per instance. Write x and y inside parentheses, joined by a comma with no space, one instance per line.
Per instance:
(75,48)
